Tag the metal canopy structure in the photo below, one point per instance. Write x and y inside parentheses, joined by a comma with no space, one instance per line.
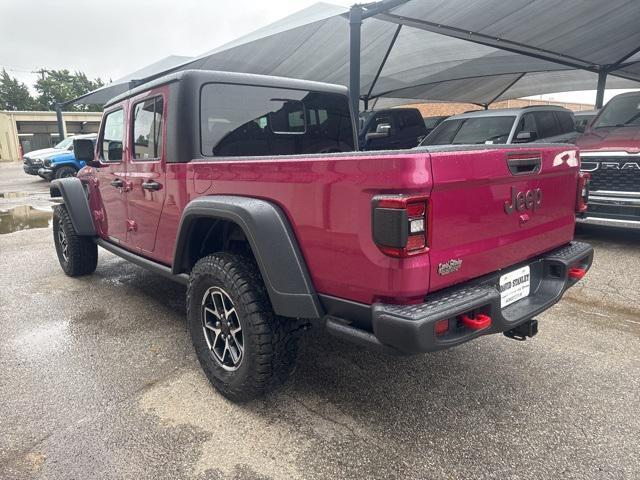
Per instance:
(600,38)
(407,51)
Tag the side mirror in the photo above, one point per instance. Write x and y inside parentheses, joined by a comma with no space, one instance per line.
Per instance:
(115,150)
(383,130)
(83,150)
(524,137)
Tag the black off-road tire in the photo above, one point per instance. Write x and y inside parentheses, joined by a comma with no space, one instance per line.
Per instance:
(65,172)
(80,257)
(270,342)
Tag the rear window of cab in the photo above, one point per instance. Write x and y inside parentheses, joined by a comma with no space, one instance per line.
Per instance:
(247,120)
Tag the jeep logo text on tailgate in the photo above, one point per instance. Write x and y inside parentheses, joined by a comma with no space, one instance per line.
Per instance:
(521,201)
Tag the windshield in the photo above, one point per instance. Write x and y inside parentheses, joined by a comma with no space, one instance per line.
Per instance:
(64,144)
(432,122)
(622,111)
(464,131)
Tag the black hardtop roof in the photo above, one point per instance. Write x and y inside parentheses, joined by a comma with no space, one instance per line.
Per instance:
(211,76)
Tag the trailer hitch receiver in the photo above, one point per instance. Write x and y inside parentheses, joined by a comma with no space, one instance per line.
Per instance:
(522,331)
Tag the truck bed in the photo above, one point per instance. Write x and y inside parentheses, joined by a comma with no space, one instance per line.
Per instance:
(327,199)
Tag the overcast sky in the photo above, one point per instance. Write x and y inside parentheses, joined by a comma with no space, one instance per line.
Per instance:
(111,38)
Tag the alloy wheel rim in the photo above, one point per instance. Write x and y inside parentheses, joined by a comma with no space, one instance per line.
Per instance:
(222,328)
(64,244)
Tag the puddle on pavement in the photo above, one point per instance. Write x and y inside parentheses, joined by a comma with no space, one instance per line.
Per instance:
(24,217)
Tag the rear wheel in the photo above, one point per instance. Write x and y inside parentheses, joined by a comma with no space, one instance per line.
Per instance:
(65,172)
(244,348)
(78,255)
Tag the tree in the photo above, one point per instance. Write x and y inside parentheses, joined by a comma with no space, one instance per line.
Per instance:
(58,86)
(14,95)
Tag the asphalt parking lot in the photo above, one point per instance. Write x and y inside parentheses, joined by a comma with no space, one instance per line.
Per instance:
(98,380)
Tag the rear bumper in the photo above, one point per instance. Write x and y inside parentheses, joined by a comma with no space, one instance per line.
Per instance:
(411,328)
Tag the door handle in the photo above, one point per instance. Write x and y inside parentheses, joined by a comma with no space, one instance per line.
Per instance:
(151,185)
(117,183)
(522,164)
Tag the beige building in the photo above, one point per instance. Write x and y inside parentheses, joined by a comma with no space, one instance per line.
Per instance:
(439,109)
(22,132)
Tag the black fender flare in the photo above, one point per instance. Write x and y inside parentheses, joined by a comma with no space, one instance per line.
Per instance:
(273,243)
(77,203)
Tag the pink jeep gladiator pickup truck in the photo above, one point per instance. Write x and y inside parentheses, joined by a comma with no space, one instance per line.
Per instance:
(249,190)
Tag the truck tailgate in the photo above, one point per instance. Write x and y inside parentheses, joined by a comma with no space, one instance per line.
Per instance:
(494,208)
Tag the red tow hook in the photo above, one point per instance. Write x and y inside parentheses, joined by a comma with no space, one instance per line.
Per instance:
(577,273)
(480,322)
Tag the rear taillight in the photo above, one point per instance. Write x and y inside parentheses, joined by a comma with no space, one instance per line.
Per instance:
(584,179)
(400,224)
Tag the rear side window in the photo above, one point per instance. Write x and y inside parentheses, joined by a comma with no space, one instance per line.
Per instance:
(243,120)
(147,129)
(547,125)
(113,136)
(567,123)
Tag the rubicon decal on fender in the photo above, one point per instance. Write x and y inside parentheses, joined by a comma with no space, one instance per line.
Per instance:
(521,201)
(451,266)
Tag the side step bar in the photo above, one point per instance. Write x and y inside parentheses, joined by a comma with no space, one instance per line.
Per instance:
(340,329)
(155,267)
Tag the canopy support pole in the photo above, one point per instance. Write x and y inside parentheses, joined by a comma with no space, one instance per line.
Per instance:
(355,32)
(504,90)
(60,121)
(602,82)
(384,60)
(482,39)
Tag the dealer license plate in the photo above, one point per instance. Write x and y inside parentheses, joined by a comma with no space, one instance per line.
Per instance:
(515,286)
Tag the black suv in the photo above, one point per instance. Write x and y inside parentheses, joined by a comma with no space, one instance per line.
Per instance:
(391,129)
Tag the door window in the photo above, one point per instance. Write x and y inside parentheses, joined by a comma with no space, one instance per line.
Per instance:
(547,124)
(407,119)
(567,122)
(112,137)
(147,129)
(527,124)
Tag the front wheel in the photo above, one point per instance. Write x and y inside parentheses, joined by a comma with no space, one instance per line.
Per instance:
(65,172)
(78,255)
(244,348)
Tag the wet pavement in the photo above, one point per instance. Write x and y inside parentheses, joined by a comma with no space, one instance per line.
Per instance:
(98,380)
(24,200)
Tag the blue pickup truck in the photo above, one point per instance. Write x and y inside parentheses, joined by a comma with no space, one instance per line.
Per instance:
(63,163)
